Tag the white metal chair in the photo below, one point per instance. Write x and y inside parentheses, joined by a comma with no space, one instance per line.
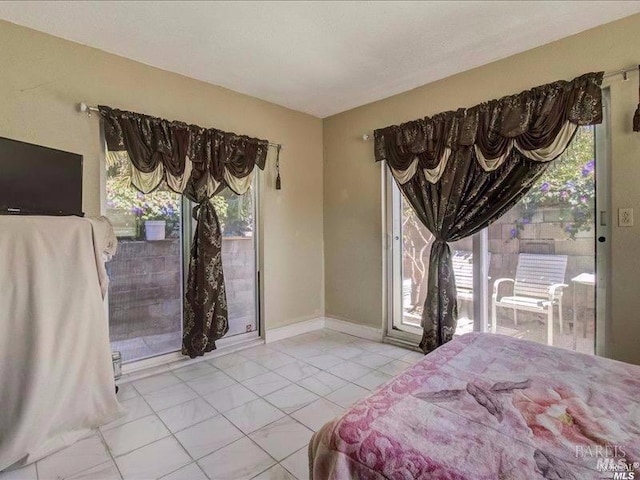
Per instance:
(463,271)
(538,287)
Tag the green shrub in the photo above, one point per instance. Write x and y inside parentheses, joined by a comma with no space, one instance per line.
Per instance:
(162,203)
(568,185)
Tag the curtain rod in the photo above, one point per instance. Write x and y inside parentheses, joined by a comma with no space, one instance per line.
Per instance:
(624,72)
(84,107)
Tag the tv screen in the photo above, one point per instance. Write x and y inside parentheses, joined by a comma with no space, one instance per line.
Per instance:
(36,180)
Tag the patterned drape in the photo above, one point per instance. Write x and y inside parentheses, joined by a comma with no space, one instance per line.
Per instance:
(198,163)
(462,170)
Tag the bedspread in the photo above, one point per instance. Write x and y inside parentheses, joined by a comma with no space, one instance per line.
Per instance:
(487,406)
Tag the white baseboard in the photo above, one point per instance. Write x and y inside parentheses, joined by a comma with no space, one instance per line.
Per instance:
(280,333)
(361,331)
(171,361)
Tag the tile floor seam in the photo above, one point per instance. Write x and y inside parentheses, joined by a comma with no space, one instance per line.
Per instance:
(193,424)
(159,439)
(294,476)
(171,434)
(146,444)
(272,457)
(199,376)
(269,468)
(76,473)
(293,383)
(179,468)
(234,441)
(196,459)
(113,459)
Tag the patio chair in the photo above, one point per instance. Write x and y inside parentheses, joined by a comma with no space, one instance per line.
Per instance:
(462,261)
(538,288)
(463,271)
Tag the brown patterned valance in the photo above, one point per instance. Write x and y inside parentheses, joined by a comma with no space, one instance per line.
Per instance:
(186,156)
(531,122)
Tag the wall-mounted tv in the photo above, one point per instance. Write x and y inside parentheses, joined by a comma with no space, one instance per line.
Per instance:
(36,180)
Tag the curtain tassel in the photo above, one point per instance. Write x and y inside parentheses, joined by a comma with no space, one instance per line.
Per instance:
(278,183)
(636,117)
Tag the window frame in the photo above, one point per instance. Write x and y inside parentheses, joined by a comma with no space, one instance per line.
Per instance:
(392,252)
(188,222)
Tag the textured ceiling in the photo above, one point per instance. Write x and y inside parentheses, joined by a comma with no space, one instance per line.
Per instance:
(317,57)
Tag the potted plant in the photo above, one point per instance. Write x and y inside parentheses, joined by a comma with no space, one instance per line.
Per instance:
(155,215)
(155,229)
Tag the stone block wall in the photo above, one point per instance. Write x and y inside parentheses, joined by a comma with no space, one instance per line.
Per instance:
(238,261)
(545,230)
(145,290)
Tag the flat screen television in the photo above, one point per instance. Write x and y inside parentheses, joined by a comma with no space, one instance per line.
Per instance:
(37,180)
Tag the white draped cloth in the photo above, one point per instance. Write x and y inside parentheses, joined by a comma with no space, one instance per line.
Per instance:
(56,376)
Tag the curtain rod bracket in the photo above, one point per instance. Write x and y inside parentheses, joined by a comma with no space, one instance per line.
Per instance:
(83,107)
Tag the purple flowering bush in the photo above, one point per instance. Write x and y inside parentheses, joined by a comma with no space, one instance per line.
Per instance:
(161,204)
(568,185)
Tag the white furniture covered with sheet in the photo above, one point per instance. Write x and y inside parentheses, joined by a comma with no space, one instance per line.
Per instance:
(56,378)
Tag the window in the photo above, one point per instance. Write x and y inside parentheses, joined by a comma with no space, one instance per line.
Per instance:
(411,252)
(554,224)
(147,273)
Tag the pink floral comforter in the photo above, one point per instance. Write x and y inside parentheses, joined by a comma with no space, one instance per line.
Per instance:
(490,407)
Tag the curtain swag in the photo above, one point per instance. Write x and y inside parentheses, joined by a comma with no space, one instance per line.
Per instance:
(462,170)
(197,163)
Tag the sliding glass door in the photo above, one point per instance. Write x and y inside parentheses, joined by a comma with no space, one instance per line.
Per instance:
(237,215)
(542,255)
(409,263)
(147,274)
(533,268)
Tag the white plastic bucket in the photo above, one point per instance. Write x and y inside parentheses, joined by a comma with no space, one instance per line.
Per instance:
(154,229)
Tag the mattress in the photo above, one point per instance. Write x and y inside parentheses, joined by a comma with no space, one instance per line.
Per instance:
(487,406)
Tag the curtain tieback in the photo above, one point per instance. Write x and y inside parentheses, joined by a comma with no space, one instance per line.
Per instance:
(195,211)
(201,207)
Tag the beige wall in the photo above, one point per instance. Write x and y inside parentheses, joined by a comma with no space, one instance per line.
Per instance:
(42,78)
(352,193)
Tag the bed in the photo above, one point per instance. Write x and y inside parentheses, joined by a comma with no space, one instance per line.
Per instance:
(487,406)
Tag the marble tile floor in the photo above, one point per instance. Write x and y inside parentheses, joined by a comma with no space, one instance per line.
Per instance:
(248,414)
